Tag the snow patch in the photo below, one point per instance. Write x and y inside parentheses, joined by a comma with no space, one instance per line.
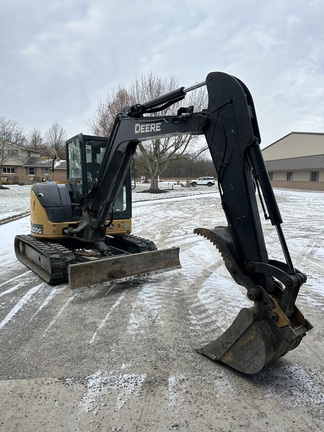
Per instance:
(293,385)
(123,386)
(173,383)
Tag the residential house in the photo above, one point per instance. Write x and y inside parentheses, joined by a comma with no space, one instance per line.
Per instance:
(23,165)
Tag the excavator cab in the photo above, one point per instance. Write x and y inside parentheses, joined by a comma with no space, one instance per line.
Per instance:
(84,158)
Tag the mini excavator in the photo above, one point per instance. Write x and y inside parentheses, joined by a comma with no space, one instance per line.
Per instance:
(81,231)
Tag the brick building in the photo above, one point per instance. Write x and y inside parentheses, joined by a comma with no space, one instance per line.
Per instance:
(296,161)
(22,165)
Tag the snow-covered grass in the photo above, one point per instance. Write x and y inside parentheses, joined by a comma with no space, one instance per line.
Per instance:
(15,199)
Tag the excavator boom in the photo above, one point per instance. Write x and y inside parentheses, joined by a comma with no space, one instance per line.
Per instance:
(274,325)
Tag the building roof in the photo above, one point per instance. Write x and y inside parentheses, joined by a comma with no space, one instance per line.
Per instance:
(23,147)
(62,165)
(298,163)
(293,133)
(43,162)
(295,145)
(37,161)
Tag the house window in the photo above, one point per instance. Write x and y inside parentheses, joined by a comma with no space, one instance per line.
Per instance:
(289,176)
(31,171)
(8,170)
(314,176)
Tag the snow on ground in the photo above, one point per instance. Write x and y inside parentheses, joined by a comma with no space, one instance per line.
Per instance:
(121,357)
(14,200)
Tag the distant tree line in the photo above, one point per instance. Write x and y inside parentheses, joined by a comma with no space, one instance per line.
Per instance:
(185,168)
(190,168)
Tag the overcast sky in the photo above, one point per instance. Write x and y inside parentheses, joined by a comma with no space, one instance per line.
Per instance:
(59,59)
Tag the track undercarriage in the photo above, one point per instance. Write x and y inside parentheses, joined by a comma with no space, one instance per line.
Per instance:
(70,261)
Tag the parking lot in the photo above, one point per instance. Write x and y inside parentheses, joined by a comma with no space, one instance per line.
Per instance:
(121,356)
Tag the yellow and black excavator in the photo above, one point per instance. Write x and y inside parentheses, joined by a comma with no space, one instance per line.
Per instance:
(79,237)
(81,230)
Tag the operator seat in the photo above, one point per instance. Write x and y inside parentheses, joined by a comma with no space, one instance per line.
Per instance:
(92,173)
(93,168)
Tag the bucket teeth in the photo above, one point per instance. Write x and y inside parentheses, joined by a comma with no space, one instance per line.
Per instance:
(221,237)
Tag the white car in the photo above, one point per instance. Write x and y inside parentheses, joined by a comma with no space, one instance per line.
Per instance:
(204,181)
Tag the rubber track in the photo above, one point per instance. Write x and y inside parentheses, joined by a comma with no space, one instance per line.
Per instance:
(58,256)
(128,241)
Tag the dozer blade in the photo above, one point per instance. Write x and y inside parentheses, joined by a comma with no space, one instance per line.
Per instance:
(83,275)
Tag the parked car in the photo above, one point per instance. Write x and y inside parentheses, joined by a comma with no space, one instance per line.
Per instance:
(204,181)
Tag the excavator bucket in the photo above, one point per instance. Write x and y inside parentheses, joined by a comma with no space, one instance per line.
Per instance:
(86,274)
(255,339)
(260,334)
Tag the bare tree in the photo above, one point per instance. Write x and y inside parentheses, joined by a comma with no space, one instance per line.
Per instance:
(35,140)
(157,154)
(55,140)
(10,133)
(105,115)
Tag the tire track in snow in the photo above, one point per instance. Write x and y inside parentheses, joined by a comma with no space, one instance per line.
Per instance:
(13,289)
(150,307)
(47,300)
(21,303)
(13,279)
(213,299)
(105,319)
(65,305)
